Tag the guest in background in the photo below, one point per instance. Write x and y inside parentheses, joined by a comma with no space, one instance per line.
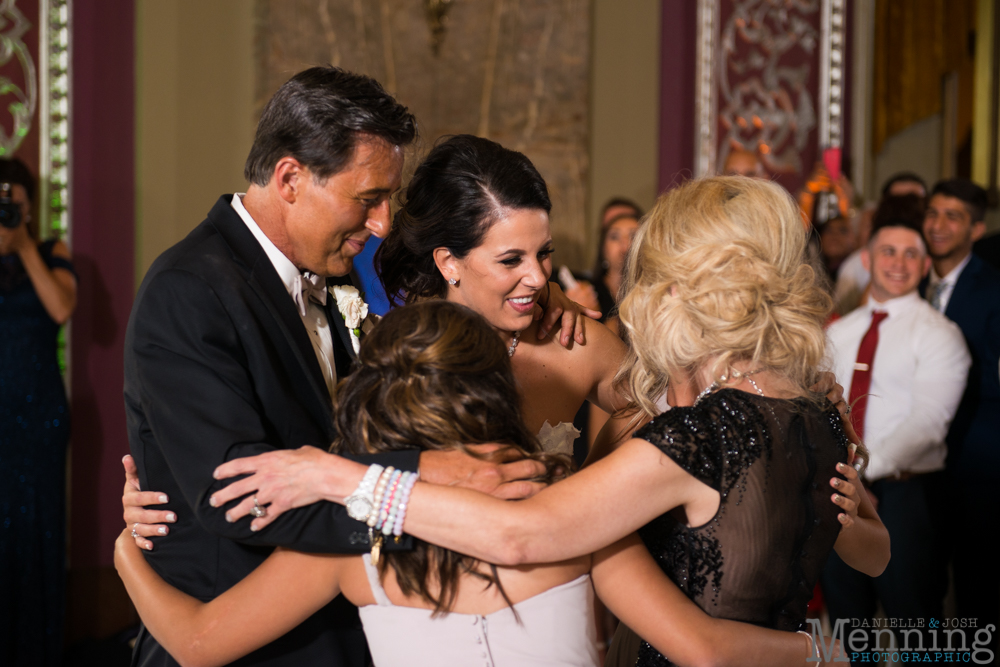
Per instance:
(905,367)
(853,277)
(741,162)
(606,276)
(967,290)
(837,242)
(617,206)
(37,296)
(988,250)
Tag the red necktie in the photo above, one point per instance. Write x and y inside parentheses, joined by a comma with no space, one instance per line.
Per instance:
(862,379)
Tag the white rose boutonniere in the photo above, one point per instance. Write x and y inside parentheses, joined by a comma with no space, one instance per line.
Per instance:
(352,308)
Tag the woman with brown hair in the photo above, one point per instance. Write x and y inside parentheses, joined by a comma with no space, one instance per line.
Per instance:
(435,373)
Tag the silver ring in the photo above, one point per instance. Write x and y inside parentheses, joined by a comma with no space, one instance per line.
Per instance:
(257,510)
(134,526)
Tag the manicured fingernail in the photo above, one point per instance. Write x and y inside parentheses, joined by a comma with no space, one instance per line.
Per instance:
(836,483)
(254,528)
(162,530)
(212,502)
(162,498)
(229,517)
(215,474)
(836,497)
(148,546)
(171,517)
(841,466)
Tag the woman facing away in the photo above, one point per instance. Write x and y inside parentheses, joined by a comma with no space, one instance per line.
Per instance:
(728,489)
(437,374)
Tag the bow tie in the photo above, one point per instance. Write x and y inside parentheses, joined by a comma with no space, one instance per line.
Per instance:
(308,286)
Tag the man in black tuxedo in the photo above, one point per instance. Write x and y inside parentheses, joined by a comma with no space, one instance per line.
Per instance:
(235,344)
(967,290)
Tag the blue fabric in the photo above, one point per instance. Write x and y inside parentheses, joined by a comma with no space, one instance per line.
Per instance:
(34,431)
(364,266)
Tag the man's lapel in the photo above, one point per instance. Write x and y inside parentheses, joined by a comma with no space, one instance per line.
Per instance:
(264,280)
(962,294)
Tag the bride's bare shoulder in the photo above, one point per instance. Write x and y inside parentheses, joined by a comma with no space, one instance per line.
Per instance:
(602,346)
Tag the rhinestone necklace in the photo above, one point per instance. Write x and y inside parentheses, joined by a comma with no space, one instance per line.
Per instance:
(736,376)
(513,344)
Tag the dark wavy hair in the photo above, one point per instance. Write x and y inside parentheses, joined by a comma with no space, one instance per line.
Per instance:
(463,186)
(899,211)
(434,375)
(318,116)
(973,196)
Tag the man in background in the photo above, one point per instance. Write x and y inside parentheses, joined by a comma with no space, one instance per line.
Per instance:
(852,276)
(904,366)
(967,290)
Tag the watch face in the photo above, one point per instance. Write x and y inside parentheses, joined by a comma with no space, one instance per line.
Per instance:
(358,507)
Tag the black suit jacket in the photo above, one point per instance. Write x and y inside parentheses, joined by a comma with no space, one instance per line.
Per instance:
(973,440)
(217,366)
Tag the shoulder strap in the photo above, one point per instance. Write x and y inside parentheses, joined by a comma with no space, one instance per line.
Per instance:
(373,580)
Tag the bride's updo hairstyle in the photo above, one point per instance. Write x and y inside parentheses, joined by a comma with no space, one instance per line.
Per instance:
(434,375)
(463,186)
(716,275)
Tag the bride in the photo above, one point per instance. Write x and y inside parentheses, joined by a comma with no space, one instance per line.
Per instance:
(437,374)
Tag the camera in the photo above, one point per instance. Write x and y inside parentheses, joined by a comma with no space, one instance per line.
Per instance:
(10,211)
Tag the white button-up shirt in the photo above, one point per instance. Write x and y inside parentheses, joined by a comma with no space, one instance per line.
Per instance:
(918,375)
(314,320)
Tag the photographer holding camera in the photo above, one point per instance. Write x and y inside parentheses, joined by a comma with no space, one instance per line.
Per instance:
(37,296)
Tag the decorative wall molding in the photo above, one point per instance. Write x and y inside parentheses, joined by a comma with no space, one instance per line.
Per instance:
(705,112)
(13,26)
(55,66)
(832,73)
(770,79)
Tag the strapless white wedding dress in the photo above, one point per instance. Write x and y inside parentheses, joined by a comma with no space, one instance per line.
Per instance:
(556,628)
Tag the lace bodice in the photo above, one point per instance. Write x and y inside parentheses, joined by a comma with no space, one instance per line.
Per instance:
(771,460)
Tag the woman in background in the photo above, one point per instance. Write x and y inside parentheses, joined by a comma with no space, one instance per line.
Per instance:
(37,296)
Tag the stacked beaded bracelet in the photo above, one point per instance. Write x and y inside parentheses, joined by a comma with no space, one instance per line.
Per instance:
(400,513)
(390,492)
(383,480)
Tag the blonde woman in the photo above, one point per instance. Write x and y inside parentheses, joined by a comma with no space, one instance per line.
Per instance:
(729,490)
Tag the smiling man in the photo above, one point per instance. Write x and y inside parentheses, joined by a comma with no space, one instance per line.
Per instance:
(904,366)
(967,291)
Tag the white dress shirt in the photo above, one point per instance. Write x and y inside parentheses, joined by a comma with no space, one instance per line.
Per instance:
(947,283)
(918,376)
(314,320)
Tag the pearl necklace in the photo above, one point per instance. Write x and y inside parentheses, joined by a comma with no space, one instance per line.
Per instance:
(513,344)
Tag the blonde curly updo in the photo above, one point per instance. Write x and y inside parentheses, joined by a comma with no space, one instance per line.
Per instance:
(716,275)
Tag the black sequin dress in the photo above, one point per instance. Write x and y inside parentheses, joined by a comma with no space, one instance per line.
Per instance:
(771,461)
(34,432)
